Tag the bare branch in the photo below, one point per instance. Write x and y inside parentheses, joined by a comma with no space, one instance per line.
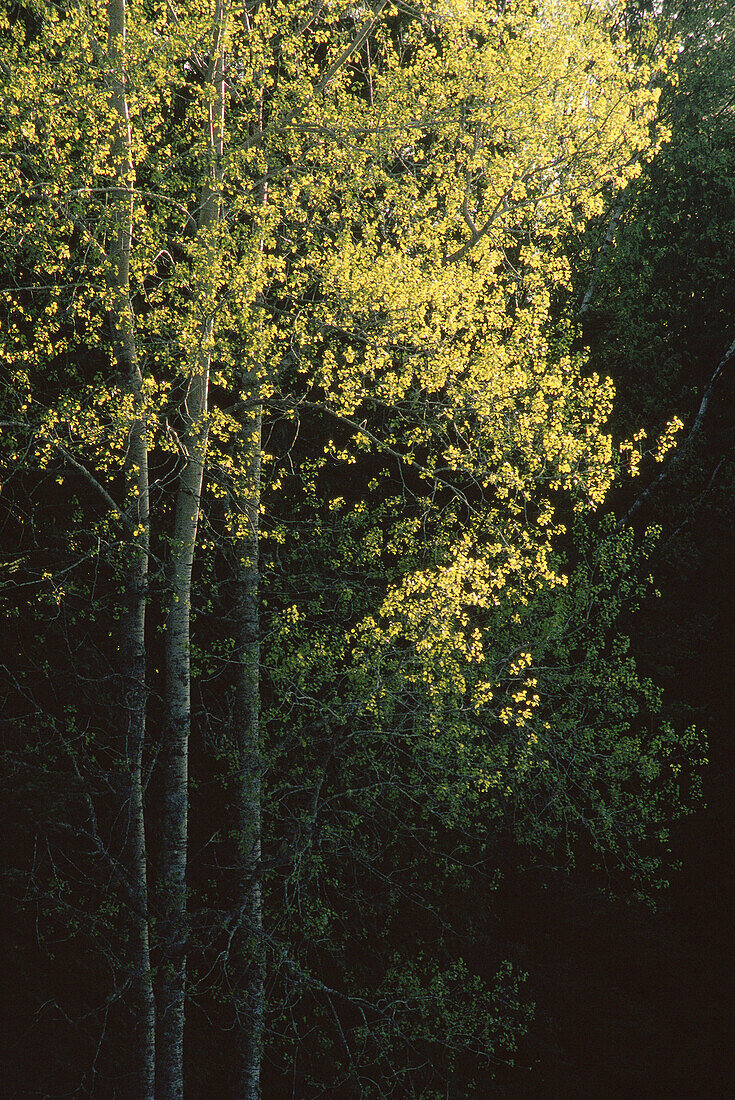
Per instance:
(603,251)
(361,36)
(405,460)
(684,448)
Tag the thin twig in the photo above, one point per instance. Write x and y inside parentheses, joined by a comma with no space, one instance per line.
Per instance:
(683,449)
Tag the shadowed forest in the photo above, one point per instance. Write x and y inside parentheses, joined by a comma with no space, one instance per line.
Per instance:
(367,482)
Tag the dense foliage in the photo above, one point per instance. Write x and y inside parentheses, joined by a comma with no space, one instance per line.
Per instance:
(312,643)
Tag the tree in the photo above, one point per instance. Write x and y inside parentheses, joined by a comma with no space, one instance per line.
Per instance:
(278,292)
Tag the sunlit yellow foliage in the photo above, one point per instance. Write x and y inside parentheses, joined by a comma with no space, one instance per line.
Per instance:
(396,184)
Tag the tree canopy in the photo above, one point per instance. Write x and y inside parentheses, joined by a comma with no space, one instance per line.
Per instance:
(307,640)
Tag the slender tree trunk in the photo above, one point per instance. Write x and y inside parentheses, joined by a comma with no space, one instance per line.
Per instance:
(132,712)
(173,851)
(193,410)
(248,945)
(134,662)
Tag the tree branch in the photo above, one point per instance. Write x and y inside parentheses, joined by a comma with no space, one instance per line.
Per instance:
(86,474)
(603,251)
(680,452)
(432,475)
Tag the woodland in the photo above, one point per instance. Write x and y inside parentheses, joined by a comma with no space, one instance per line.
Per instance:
(366,548)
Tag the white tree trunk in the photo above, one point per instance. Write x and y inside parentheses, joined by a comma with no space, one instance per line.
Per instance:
(174,831)
(194,421)
(132,707)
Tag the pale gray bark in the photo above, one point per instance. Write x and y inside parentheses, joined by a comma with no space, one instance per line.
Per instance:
(133,667)
(131,710)
(171,990)
(175,810)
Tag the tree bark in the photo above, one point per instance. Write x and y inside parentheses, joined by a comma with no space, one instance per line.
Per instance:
(132,708)
(174,830)
(194,421)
